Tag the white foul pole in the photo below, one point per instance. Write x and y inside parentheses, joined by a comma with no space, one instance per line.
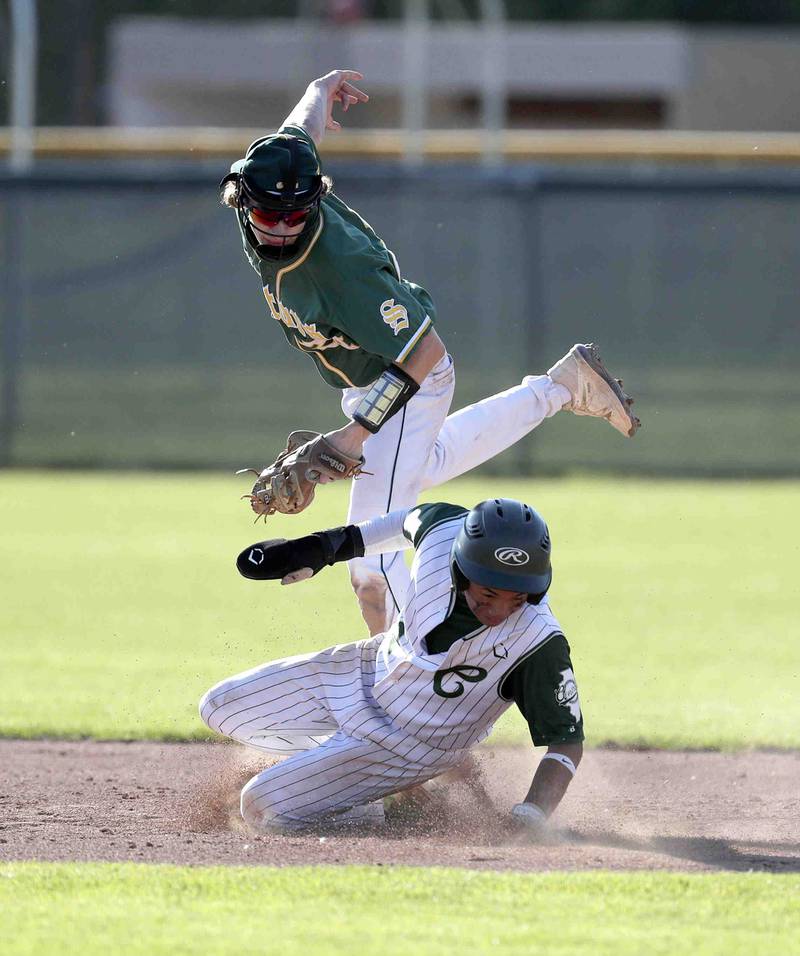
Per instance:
(415,77)
(494,87)
(23,83)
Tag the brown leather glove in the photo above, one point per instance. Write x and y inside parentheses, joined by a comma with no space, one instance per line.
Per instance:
(289,483)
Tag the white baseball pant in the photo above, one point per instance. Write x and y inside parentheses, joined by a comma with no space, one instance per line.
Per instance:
(421,447)
(295,706)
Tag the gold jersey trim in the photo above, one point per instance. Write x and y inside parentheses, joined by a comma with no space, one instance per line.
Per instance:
(413,340)
(339,372)
(302,259)
(294,265)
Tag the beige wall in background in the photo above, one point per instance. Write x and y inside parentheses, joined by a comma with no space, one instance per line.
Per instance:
(741,79)
(170,72)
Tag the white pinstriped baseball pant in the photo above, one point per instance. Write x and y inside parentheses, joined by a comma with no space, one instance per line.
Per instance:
(422,447)
(295,706)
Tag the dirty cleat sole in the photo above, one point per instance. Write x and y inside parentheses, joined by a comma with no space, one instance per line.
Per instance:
(593,389)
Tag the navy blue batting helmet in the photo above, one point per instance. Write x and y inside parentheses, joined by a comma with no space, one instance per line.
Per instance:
(503,544)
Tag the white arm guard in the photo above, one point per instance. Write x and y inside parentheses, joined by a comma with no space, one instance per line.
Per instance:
(385,533)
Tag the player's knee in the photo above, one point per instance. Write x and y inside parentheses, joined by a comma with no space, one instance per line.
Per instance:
(212,706)
(259,808)
(371,593)
(365,581)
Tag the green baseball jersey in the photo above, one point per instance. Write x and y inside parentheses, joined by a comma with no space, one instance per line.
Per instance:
(341,299)
(543,682)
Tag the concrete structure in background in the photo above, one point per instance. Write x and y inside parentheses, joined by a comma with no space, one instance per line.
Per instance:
(165,72)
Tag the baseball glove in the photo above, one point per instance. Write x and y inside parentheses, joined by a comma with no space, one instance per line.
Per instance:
(289,483)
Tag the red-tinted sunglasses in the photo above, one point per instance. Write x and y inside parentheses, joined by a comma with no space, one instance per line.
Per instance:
(270,218)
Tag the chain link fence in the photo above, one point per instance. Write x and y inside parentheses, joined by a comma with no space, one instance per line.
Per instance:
(134,334)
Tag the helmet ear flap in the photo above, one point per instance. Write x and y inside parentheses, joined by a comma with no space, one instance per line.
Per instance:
(460,581)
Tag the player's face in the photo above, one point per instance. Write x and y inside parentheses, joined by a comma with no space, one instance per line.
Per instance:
(277,229)
(492,606)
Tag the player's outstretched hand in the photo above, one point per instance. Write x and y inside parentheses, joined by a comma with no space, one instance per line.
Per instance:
(282,560)
(338,88)
(302,558)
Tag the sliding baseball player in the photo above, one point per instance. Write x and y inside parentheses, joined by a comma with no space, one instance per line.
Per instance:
(364,720)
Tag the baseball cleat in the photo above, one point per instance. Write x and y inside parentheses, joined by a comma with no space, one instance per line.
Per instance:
(594,392)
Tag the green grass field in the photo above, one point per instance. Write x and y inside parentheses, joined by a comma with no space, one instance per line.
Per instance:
(121,603)
(89,909)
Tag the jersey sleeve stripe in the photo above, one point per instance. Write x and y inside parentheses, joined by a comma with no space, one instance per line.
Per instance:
(426,324)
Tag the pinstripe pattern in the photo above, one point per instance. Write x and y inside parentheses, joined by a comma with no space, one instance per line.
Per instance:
(359,721)
(341,773)
(396,455)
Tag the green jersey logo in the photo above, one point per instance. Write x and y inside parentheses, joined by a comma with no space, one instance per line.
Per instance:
(394,315)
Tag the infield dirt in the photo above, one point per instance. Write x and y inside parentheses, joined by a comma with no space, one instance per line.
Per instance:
(626,810)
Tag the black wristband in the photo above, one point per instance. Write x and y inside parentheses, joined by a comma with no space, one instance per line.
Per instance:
(387,395)
(342,544)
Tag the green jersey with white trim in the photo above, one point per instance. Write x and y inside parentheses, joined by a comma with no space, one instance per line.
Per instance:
(341,299)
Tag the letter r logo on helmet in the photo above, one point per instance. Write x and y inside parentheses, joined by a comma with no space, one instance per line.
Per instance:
(512,556)
(503,544)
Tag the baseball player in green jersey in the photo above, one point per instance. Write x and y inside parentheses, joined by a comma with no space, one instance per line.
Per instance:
(337,294)
(365,720)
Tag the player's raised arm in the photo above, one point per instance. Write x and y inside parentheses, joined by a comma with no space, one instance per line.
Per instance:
(314,111)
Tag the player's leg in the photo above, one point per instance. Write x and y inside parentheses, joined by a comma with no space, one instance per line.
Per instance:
(396,457)
(283,707)
(477,433)
(579,383)
(330,783)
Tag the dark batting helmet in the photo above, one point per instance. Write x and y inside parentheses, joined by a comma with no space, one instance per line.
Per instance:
(279,174)
(503,544)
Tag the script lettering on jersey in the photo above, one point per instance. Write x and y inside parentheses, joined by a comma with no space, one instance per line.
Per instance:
(311,339)
(466,672)
(394,315)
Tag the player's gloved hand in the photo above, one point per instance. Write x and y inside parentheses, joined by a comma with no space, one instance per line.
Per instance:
(288,485)
(300,559)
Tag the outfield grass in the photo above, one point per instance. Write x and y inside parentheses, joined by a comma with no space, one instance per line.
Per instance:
(121,604)
(98,908)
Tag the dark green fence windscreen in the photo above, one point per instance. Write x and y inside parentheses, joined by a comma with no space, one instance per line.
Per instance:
(134,334)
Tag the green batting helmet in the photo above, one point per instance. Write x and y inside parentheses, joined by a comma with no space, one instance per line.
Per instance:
(279,173)
(503,544)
